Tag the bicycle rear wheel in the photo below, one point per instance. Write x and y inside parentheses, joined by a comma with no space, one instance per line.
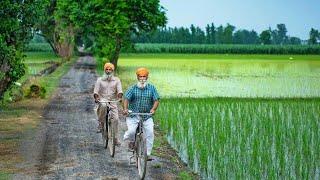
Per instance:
(111,139)
(141,155)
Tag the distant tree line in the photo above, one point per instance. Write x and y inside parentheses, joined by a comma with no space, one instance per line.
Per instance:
(223,35)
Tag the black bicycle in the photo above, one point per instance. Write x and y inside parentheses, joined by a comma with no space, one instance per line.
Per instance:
(108,132)
(140,146)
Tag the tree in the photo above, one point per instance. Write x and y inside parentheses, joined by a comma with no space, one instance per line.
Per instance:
(228,34)
(241,37)
(265,37)
(219,35)
(279,35)
(313,36)
(114,20)
(212,34)
(208,34)
(193,33)
(253,37)
(60,23)
(282,33)
(294,40)
(17,20)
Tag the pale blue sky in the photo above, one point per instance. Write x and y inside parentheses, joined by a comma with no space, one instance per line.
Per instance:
(299,16)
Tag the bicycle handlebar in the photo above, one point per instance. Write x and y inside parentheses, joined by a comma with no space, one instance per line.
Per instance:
(141,114)
(108,101)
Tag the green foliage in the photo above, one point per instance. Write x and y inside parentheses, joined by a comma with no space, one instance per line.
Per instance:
(104,25)
(46,22)
(12,67)
(51,81)
(110,23)
(17,19)
(265,37)
(16,93)
(35,91)
(38,39)
(314,36)
(58,24)
(216,35)
(279,35)
(114,20)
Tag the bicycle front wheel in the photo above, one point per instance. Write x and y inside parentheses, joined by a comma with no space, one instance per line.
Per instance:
(111,139)
(105,135)
(141,155)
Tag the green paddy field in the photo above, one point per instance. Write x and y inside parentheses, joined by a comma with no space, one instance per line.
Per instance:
(238,116)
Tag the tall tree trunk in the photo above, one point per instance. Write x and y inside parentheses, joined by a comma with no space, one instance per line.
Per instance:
(50,41)
(115,55)
(5,80)
(64,41)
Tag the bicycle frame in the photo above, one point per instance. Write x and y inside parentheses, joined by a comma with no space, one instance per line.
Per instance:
(108,133)
(140,148)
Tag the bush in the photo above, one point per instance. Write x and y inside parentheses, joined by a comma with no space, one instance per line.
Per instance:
(16,93)
(36,91)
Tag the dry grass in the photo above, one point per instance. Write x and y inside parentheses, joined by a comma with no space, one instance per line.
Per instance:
(9,156)
(14,120)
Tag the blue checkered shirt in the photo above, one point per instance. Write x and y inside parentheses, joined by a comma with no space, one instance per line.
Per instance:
(141,100)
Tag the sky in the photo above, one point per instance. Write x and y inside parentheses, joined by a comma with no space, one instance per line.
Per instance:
(299,16)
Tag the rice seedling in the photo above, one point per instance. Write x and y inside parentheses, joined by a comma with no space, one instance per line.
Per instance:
(245,138)
(227,76)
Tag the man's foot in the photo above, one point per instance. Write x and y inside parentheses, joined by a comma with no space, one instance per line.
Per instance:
(131,146)
(149,158)
(99,131)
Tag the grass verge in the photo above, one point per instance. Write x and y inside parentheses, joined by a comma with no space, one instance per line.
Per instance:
(18,117)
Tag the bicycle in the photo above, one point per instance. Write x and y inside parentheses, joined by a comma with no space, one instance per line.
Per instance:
(108,132)
(140,147)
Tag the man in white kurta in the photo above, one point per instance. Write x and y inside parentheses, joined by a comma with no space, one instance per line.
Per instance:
(108,87)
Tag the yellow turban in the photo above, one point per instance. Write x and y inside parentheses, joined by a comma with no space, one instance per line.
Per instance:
(108,65)
(142,72)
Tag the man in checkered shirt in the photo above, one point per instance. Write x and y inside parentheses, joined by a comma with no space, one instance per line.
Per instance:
(141,98)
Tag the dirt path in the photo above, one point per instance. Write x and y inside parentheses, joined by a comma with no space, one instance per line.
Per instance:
(67,145)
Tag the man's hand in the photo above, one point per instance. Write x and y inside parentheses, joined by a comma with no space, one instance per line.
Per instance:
(152,111)
(96,100)
(125,112)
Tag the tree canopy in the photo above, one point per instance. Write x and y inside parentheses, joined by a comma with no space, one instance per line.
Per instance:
(114,21)
(17,20)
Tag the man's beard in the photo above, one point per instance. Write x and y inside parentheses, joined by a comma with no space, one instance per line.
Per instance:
(107,76)
(142,84)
